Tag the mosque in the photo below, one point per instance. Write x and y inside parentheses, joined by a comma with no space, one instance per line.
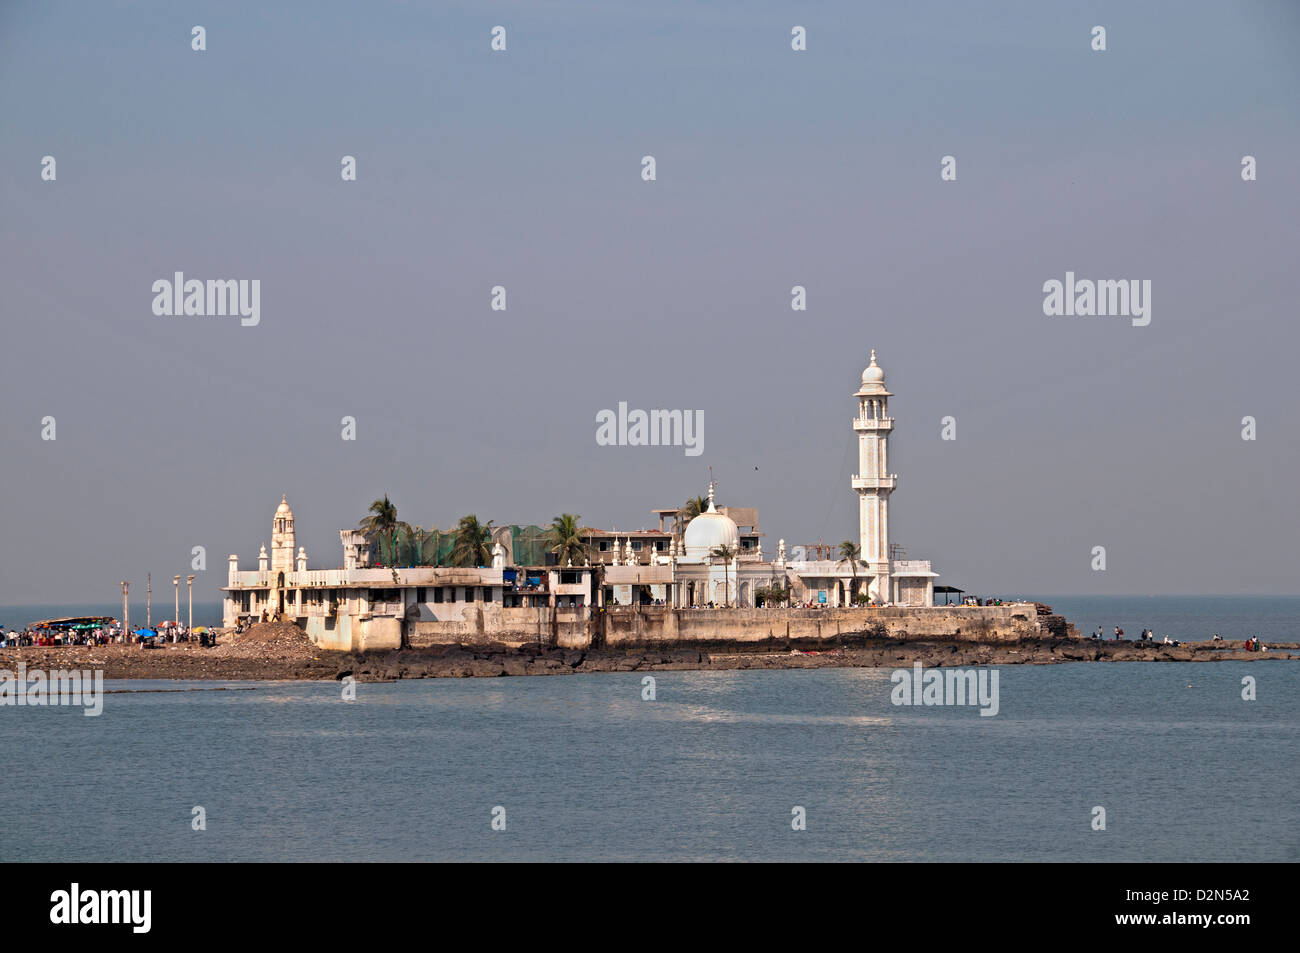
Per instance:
(714,562)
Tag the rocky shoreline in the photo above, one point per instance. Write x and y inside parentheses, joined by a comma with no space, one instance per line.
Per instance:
(283,655)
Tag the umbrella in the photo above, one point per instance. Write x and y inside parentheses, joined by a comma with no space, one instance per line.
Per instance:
(200,630)
(147,633)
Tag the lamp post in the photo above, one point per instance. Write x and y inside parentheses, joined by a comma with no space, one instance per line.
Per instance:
(189,582)
(126,610)
(176,584)
(148,601)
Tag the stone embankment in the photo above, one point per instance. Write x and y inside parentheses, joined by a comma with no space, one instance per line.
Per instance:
(282,652)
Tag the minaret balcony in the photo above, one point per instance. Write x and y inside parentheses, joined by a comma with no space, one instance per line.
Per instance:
(873,423)
(875,482)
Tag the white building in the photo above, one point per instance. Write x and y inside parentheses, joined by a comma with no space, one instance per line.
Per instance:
(709,564)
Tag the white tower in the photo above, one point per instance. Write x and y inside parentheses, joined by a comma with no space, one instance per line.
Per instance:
(282,538)
(873,481)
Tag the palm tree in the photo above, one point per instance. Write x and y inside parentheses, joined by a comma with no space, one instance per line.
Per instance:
(473,542)
(564,535)
(726,554)
(693,508)
(851,553)
(382,522)
(690,509)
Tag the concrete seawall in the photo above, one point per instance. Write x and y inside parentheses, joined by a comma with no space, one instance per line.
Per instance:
(634,626)
(658,625)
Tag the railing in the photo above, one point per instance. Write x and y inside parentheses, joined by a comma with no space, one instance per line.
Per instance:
(826,567)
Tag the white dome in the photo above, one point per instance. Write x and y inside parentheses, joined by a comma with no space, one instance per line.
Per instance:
(873,374)
(283,508)
(708,531)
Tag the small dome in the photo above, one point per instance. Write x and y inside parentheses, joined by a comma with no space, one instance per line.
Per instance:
(708,531)
(873,374)
(283,508)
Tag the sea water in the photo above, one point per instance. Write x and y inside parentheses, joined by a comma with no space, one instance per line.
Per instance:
(716,766)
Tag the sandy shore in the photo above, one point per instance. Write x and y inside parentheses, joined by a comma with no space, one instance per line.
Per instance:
(296,658)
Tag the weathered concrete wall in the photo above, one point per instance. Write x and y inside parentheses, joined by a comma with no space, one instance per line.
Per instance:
(352,635)
(973,623)
(491,622)
(628,626)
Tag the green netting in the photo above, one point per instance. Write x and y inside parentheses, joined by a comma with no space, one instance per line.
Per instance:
(529,547)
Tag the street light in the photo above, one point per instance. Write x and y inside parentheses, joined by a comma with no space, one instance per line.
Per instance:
(189,581)
(126,610)
(176,583)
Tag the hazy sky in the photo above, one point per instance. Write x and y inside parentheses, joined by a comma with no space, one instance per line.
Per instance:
(775,168)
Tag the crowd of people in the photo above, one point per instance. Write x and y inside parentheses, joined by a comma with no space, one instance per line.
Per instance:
(46,636)
(101,635)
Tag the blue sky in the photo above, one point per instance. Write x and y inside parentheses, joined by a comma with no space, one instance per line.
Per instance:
(775,168)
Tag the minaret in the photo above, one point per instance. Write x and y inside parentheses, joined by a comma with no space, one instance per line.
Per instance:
(873,481)
(282,538)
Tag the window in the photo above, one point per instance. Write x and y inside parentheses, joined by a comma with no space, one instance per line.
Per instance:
(604,545)
(420,594)
(437,593)
(568,578)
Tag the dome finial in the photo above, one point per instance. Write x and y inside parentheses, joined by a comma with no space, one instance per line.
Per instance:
(873,374)
(708,531)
